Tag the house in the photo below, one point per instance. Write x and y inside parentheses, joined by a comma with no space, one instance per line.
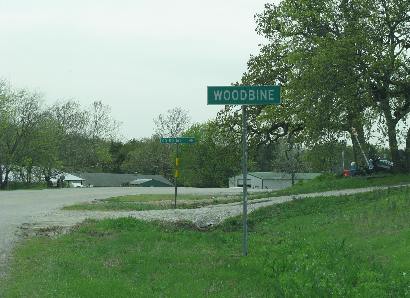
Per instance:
(73,181)
(118,180)
(270,180)
(69,179)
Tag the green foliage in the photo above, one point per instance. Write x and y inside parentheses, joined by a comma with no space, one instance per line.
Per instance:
(148,156)
(212,159)
(319,247)
(22,185)
(328,157)
(342,64)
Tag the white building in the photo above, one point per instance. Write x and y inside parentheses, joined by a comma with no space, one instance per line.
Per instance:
(70,179)
(270,180)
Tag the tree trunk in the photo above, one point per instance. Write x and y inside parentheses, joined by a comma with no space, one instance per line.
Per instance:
(359,146)
(47,178)
(355,149)
(6,179)
(1,177)
(391,134)
(393,146)
(29,171)
(407,151)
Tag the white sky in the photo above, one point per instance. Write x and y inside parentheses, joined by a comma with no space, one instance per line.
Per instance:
(140,57)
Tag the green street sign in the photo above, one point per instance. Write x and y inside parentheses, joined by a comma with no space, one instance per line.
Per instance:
(182,140)
(243,95)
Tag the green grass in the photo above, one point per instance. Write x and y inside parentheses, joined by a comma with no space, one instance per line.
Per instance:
(329,182)
(21,185)
(151,202)
(321,247)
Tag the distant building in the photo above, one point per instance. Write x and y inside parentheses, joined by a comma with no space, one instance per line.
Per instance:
(117,180)
(270,180)
(73,181)
(69,179)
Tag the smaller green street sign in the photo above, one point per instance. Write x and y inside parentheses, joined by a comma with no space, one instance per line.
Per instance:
(181,140)
(243,95)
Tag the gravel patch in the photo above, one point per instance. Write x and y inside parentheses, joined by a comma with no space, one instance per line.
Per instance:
(203,217)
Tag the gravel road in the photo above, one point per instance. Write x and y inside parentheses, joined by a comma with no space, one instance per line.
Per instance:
(39,210)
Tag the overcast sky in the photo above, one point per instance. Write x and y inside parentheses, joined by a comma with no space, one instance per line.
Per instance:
(141,57)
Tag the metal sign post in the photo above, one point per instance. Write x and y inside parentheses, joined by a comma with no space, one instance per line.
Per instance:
(176,177)
(177,141)
(244,95)
(245,179)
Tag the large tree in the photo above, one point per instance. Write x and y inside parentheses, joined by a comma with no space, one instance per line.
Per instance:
(172,123)
(20,116)
(341,63)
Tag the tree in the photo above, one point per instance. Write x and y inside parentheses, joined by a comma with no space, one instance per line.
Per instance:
(173,123)
(212,159)
(85,135)
(148,156)
(341,62)
(21,114)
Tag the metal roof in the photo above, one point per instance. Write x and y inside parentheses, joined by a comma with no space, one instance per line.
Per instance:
(155,177)
(139,181)
(70,177)
(112,179)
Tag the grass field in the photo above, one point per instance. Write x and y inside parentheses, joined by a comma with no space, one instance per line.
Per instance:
(322,247)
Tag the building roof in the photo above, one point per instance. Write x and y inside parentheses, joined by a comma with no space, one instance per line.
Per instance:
(155,177)
(139,181)
(112,179)
(70,177)
(283,176)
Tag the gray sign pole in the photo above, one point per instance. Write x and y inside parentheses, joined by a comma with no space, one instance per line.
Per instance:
(245,179)
(176,179)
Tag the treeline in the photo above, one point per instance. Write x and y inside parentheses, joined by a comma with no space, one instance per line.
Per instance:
(38,141)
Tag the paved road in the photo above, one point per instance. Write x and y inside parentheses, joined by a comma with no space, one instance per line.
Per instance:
(26,206)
